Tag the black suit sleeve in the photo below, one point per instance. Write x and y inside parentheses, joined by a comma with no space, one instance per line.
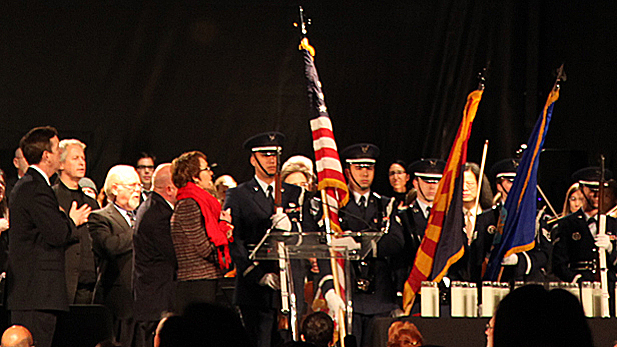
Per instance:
(52,222)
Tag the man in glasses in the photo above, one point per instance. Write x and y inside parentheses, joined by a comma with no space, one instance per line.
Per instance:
(111,229)
(577,242)
(80,269)
(145,170)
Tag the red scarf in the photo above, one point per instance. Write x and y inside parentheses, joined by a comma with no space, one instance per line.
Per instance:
(211,210)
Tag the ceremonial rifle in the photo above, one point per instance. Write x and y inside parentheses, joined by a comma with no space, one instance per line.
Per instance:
(602,252)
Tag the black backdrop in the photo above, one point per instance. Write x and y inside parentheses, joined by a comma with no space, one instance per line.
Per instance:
(171,76)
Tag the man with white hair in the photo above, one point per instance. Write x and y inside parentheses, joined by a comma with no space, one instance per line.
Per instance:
(79,259)
(154,261)
(111,229)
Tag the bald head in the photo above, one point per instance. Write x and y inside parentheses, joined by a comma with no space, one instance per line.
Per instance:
(162,183)
(17,336)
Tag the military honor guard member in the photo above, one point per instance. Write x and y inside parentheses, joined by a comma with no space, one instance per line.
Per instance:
(374,290)
(529,265)
(577,243)
(257,292)
(425,175)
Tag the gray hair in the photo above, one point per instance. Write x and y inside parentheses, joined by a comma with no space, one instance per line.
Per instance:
(64,144)
(117,175)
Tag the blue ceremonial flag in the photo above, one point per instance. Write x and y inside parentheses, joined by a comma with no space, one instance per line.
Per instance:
(517,221)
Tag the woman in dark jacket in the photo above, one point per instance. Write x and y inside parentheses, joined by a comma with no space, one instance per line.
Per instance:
(200,231)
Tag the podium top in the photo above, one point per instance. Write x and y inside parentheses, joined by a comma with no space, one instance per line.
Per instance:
(351,245)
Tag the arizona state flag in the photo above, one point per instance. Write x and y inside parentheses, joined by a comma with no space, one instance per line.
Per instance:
(443,242)
(517,220)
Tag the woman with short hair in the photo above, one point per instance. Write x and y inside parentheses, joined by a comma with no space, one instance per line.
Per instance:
(200,231)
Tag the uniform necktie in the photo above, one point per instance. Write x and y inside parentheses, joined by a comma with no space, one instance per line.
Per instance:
(593,227)
(428,211)
(362,203)
(269,193)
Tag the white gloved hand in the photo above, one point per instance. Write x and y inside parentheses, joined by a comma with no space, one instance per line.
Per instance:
(512,259)
(281,221)
(335,303)
(346,241)
(271,280)
(604,241)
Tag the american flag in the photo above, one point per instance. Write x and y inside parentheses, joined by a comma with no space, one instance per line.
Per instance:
(329,168)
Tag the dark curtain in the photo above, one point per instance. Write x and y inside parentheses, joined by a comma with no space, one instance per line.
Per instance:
(167,77)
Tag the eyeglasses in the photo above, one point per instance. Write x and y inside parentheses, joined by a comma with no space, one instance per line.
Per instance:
(143,167)
(134,186)
(489,326)
(399,172)
(207,168)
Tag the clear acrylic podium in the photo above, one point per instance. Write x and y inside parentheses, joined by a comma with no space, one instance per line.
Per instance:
(291,248)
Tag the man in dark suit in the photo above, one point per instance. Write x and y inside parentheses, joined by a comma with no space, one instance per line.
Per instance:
(36,284)
(80,270)
(154,258)
(111,229)
(252,209)
(374,290)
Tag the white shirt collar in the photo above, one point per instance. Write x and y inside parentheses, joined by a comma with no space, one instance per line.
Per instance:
(124,214)
(42,173)
(423,207)
(357,196)
(264,185)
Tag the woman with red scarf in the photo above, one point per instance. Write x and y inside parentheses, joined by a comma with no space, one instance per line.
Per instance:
(200,231)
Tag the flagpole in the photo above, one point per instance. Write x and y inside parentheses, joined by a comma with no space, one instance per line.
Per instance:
(340,315)
(480,180)
(547,202)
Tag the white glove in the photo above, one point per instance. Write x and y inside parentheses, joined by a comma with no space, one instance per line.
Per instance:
(346,241)
(512,259)
(281,221)
(271,280)
(335,303)
(604,241)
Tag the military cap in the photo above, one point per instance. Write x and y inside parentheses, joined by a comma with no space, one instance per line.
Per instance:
(360,153)
(429,170)
(505,169)
(269,142)
(591,176)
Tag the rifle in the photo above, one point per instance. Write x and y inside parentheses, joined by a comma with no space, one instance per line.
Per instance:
(602,253)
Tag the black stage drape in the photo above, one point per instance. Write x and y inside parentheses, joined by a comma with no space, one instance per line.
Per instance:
(171,76)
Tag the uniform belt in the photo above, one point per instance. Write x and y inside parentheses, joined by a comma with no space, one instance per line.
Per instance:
(588,265)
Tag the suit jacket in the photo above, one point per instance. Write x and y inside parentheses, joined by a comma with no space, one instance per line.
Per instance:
(112,243)
(154,260)
(469,267)
(38,236)
(380,268)
(574,243)
(79,259)
(251,212)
